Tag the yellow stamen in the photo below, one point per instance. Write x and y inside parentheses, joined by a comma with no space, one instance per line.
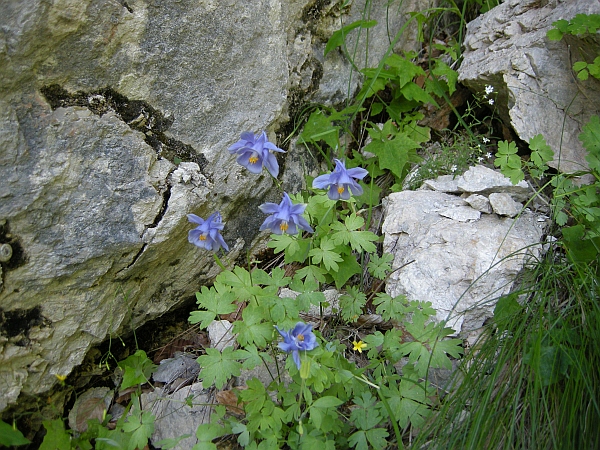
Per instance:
(253,159)
(283,226)
(202,237)
(341,189)
(300,337)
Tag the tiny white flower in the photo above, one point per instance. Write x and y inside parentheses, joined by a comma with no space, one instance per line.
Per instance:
(488,155)
(491,101)
(489,89)
(485,140)
(453,168)
(479,159)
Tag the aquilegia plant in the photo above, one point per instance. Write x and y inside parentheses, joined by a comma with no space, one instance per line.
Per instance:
(206,235)
(254,152)
(327,399)
(285,217)
(341,181)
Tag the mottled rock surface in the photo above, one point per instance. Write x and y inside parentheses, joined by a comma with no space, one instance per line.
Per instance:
(536,90)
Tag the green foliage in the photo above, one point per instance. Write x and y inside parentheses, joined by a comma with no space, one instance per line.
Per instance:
(509,162)
(338,38)
(137,369)
(10,436)
(56,436)
(584,70)
(578,25)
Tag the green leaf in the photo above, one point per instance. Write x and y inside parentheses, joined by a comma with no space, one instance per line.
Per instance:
(276,278)
(327,402)
(252,329)
(395,154)
(347,268)
(509,162)
(403,69)
(10,436)
(56,437)
(352,304)
(505,311)
(376,437)
(215,303)
(347,234)
(338,38)
(241,282)
(140,426)
(554,34)
(137,369)
(380,266)
(541,153)
(325,253)
(206,433)
(390,308)
(358,439)
(218,367)
(319,128)
(412,91)
(580,249)
(590,138)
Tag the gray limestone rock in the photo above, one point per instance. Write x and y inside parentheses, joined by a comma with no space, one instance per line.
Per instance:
(504,205)
(479,202)
(536,90)
(461,267)
(483,180)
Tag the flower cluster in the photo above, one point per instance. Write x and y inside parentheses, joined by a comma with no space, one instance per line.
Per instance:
(300,338)
(254,153)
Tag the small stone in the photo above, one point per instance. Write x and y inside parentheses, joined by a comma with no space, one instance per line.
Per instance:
(504,205)
(220,335)
(479,202)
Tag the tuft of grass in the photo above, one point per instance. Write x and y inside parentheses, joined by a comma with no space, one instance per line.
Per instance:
(532,379)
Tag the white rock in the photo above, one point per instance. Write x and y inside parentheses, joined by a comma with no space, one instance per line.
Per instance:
(461,267)
(504,205)
(479,202)
(220,335)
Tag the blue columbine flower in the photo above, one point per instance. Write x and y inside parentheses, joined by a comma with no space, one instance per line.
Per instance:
(253,151)
(300,338)
(285,217)
(341,182)
(206,234)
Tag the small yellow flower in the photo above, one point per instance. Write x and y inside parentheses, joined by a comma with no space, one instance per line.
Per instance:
(358,346)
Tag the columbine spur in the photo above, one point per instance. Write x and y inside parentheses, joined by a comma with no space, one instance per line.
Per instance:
(300,338)
(341,181)
(206,234)
(285,217)
(253,153)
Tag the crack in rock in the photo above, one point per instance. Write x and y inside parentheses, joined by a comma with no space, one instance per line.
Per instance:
(138,114)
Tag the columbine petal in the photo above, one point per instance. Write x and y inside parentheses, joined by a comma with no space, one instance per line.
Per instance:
(285,217)
(206,235)
(341,182)
(254,152)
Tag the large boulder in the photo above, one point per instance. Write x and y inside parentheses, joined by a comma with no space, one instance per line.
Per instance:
(537,92)
(458,257)
(115,118)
